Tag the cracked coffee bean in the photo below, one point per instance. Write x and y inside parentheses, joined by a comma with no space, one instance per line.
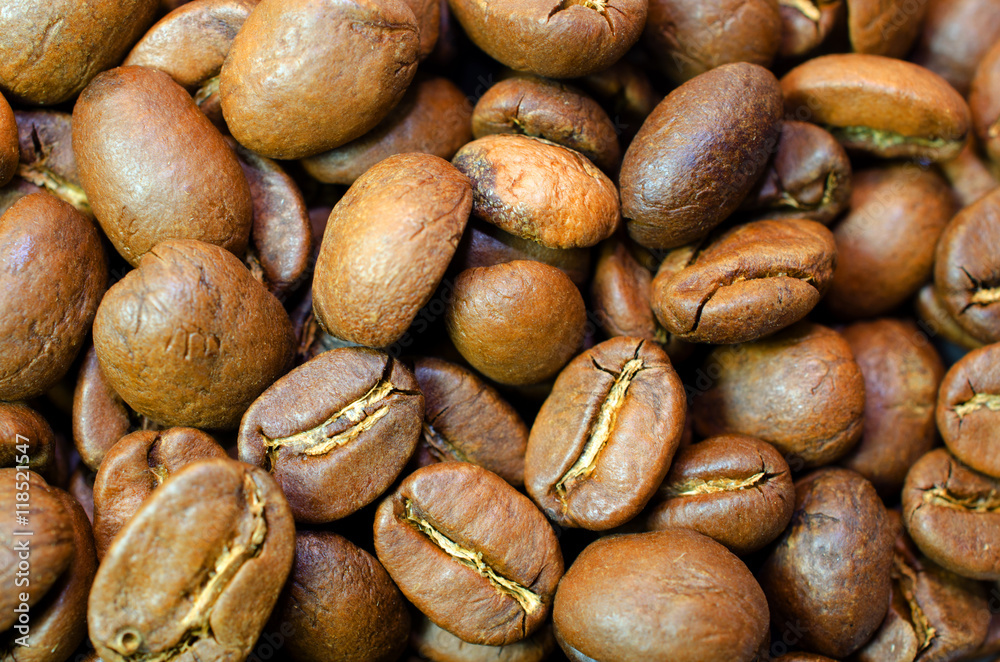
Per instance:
(46,153)
(195,573)
(604,438)
(336,431)
(438,645)
(968,409)
(936,319)
(470,552)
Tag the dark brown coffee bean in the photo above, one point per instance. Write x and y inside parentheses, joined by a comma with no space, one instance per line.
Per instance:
(735,489)
(632,597)
(968,409)
(432,118)
(387,245)
(46,148)
(473,554)
(9,152)
(745,283)
(201,563)
(984,102)
(438,645)
(954,38)
(699,154)
(53,277)
(154,167)
(22,426)
(884,27)
(190,338)
(625,91)
(604,438)
(953,514)
(885,245)
(375,43)
(355,614)
(466,420)
(81,486)
(806,24)
(938,321)
(877,104)
(539,190)
(969,178)
(135,466)
(967,268)
(830,572)
(517,323)
(902,372)
(57,47)
(336,431)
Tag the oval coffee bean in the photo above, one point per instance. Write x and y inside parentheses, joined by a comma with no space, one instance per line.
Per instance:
(955,37)
(336,431)
(604,438)
(201,563)
(470,552)
(438,645)
(9,152)
(984,102)
(620,294)
(884,27)
(968,409)
(938,321)
(806,24)
(968,175)
(23,432)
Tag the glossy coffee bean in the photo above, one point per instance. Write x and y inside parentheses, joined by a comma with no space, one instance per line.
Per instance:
(806,24)
(20,425)
(9,153)
(955,36)
(984,102)
(47,161)
(439,645)
(968,409)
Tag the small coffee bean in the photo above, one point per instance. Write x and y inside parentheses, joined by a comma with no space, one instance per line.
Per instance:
(968,409)
(968,175)
(884,27)
(806,24)
(9,153)
(938,321)
(21,426)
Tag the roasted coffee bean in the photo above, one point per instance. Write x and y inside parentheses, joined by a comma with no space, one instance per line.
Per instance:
(745,283)
(902,372)
(809,176)
(806,24)
(195,573)
(17,188)
(539,190)
(627,95)
(375,43)
(52,280)
(429,19)
(470,552)
(9,153)
(699,154)
(154,167)
(563,40)
(969,178)
(830,572)
(20,425)
(968,409)
(735,489)
(953,514)
(967,268)
(604,438)
(517,323)
(190,338)
(81,486)
(432,118)
(803,657)
(800,390)
(438,645)
(936,319)
(466,420)
(336,431)
(984,102)
(877,104)
(135,466)
(549,109)
(47,161)
(355,614)
(955,36)
(689,37)
(885,244)
(387,245)
(57,47)
(632,598)
(884,27)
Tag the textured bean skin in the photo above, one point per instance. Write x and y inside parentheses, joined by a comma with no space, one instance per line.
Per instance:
(968,409)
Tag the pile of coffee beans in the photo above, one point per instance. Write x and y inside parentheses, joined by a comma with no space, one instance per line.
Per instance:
(521,330)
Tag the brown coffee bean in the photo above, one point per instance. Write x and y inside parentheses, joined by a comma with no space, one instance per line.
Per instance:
(201,565)
(806,24)
(438,645)
(604,438)
(884,27)
(936,319)
(745,283)
(968,409)
(473,554)
(58,47)
(539,190)
(154,167)
(625,91)
(9,152)
(885,244)
(967,268)
(534,106)
(800,390)
(809,176)
(81,487)
(830,572)
(902,372)
(355,614)
(433,118)
(21,425)
(564,40)
(631,598)
(46,152)
(376,44)
(699,154)
(53,277)
(466,420)
(803,657)
(190,338)
(877,104)
(955,36)
(735,489)
(984,102)
(135,466)
(953,514)
(387,246)
(690,37)
(969,178)
(517,323)
(336,431)
(428,15)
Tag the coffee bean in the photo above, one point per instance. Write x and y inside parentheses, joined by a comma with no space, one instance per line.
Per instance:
(954,38)
(967,173)
(938,321)
(21,425)
(438,645)
(429,19)
(806,24)
(968,409)
(984,102)
(45,138)
(884,27)
(8,142)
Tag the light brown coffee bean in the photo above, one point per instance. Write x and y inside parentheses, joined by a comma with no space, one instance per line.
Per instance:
(968,409)
(9,153)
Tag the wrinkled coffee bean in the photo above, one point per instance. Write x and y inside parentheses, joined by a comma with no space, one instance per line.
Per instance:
(439,645)
(968,409)
(21,425)
(984,102)
(955,36)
